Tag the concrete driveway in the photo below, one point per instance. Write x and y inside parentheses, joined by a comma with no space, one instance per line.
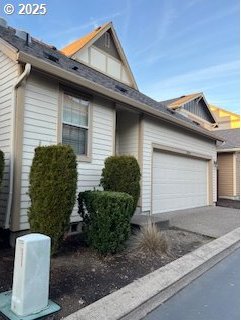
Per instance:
(210,221)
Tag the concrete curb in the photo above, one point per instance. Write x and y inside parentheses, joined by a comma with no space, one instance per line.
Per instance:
(140,297)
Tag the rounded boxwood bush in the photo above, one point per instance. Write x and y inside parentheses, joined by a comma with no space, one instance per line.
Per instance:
(106,219)
(52,190)
(1,166)
(122,174)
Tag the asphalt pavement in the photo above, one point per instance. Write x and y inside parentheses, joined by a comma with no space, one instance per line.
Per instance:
(213,296)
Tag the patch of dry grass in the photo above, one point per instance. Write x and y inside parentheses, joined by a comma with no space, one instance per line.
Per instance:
(150,240)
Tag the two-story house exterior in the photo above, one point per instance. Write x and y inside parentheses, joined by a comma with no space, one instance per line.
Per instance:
(85,95)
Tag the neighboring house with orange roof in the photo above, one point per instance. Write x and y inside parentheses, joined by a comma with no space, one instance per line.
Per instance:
(86,96)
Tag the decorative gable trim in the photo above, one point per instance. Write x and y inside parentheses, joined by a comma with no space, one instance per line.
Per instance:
(122,55)
(106,43)
(208,125)
(182,101)
(90,39)
(93,38)
(179,102)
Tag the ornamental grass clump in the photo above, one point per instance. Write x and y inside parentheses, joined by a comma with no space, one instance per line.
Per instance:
(150,240)
(106,219)
(122,174)
(52,191)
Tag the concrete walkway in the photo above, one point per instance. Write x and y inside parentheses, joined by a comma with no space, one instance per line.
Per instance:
(210,221)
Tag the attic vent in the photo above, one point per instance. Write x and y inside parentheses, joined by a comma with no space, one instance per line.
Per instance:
(51,56)
(23,35)
(107,40)
(75,68)
(171,111)
(121,88)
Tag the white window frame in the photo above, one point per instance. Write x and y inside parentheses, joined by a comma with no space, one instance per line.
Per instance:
(86,157)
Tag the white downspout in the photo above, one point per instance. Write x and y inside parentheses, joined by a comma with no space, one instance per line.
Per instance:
(18,83)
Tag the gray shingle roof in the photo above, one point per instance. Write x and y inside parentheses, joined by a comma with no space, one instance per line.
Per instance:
(231,137)
(167,102)
(41,50)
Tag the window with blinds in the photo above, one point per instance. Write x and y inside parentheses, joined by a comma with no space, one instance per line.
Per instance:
(75,123)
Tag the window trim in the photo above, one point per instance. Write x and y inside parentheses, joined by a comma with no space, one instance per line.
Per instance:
(62,92)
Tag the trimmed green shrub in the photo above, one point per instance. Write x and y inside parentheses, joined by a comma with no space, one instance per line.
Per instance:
(1,166)
(106,219)
(52,190)
(122,174)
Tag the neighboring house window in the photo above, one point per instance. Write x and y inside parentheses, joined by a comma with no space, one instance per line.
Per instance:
(76,123)
(107,40)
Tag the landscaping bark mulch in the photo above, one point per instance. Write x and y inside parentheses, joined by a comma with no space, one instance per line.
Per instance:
(80,276)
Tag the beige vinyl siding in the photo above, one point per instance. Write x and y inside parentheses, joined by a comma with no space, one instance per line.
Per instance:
(40,128)
(225,175)
(158,132)
(8,77)
(127,134)
(104,62)
(238,174)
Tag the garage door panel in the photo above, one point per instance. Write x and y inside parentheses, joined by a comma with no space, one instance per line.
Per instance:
(179,182)
(178,203)
(185,197)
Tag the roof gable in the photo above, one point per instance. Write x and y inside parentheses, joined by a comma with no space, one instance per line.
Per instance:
(180,101)
(194,103)
(80,43)
(107,44)
(94,38)
(40,55)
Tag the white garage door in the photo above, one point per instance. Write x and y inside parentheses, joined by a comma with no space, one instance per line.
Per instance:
(179,182)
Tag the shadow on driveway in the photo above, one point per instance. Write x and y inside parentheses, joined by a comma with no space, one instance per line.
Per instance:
(235,204)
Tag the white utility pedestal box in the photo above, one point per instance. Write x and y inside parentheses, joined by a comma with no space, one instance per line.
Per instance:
(31,274)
